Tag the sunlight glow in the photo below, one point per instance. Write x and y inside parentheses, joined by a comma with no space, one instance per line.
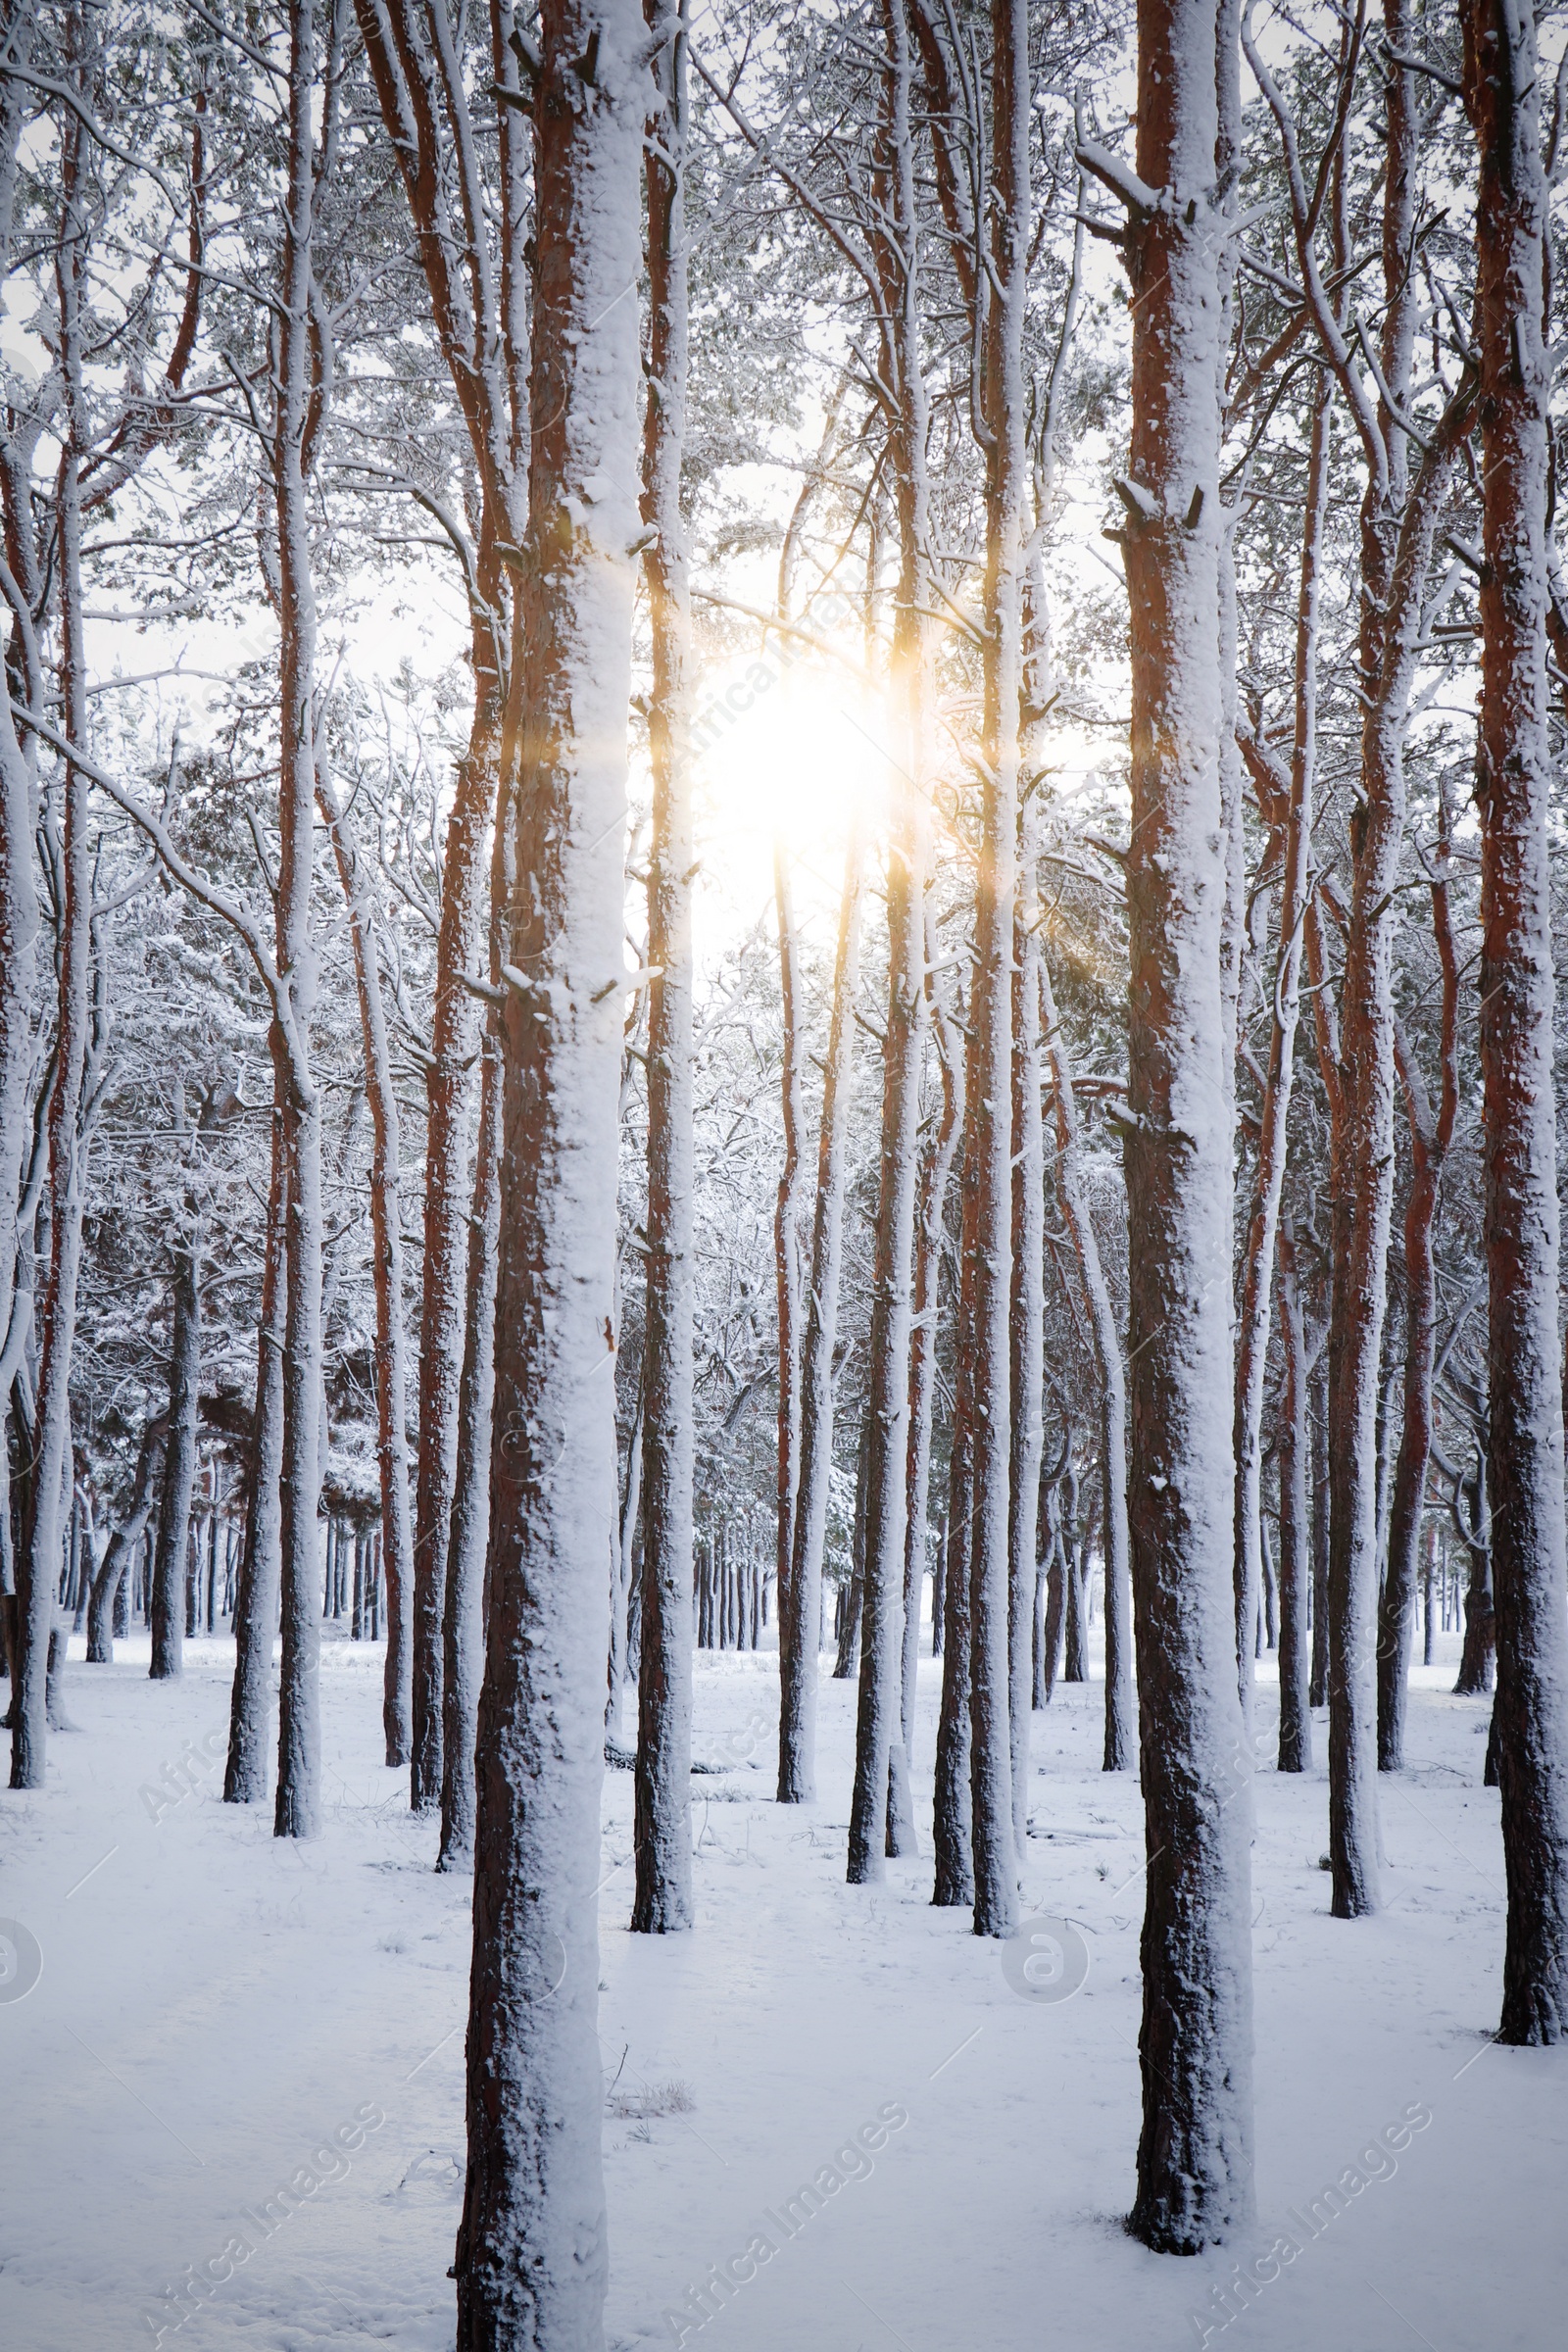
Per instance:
(786,743)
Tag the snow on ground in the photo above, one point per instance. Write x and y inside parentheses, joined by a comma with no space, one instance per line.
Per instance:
(216,2007)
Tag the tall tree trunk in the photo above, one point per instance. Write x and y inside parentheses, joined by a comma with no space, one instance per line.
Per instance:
(40,1554)
(299,1731)
(179,1467)
(18,895)
(951,1824)
(623,1566)
(935,1176)
(532,2257)
(1074,1199)
(480,293)
(798,1669)
(1430,1137)
(881,1818)
(1195,2169)
(479,306)
(787,1215)
(19,925)
(1474,1528)
(463,1629)
(447,1193)
(1075,1575)
(996,1903)
(1296,1548)
(1428,1570)
(120,1549)
(1293,825)
(1027,1368)
(661,1902)
(261,1570)
(386,1242)
(1319,1433)
(851,1595)
(1513,788)
(462,1634)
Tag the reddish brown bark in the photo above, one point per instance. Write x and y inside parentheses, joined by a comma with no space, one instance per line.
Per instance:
(1513,788)
(1195,2173)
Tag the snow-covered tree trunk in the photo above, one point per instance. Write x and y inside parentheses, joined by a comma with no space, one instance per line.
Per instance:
(1233,930)
(38,1559)
(386,1244)
(787,1216)
(1513,788)
(462,1634)
(179,1465)
(299,1731)
(120,1549)
(1005,411)
(261,1567)
(1292,824)
(623,1567)
(1028,1329)
(936,1173)
(479,306)
(19,927)
(1430,1137)
(1293,1445)
(662,1900)
(1318,1425)
(1071,1191)
(1362,1188)
(799,1668)
(499,365)
(881,1818)
(951,1824)
(532,2257)
(1195,2172)
(447,1183)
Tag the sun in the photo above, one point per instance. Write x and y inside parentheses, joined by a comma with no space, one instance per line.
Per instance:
(789,745)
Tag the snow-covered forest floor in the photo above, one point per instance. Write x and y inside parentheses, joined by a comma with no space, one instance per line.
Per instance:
(215,2003)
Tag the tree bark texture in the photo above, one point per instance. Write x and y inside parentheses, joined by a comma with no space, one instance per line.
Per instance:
(386,1243)
(799,1665)
(1195,2170)
(1291,825)
(877,1825)
(663,1901)
(1513,790)
(1430,1137)
(532,2256)
(951,1824)
(1121,1726)
(996,1899)
(40,1555)
(935,1176)
(261,1569)
(296,1812)
(179,1465)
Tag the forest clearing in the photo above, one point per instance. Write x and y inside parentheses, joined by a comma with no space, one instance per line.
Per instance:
(783,1542)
